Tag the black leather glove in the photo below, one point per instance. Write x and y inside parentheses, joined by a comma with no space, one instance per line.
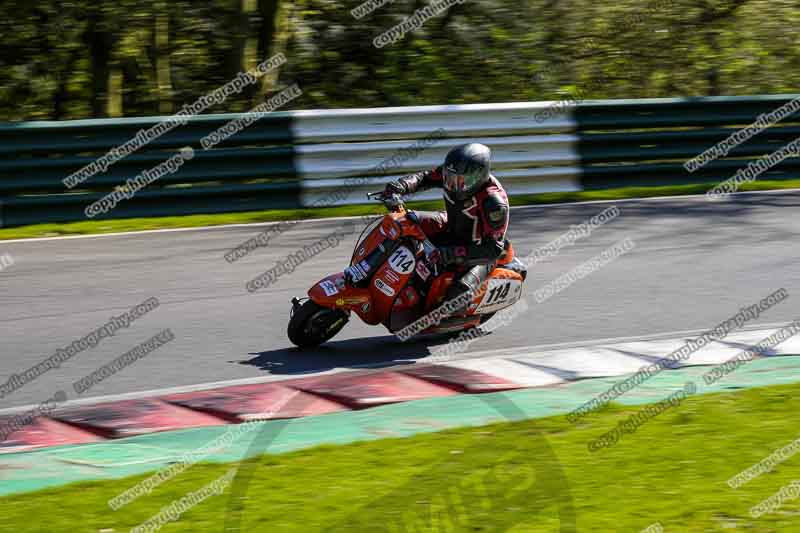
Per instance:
(356,273)
(394,187)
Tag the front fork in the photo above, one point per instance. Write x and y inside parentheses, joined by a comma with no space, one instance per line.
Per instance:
(296,304)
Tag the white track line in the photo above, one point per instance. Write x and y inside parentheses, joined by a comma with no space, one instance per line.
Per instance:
(328,220)
(540,350)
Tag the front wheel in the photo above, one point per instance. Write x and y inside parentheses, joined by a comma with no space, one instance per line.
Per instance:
(311,324)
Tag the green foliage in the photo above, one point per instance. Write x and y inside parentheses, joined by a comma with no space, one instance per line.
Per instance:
(58,57)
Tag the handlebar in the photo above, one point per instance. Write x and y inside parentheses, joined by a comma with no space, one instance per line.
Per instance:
(392,202)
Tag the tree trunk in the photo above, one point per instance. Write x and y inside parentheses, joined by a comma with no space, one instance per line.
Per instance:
(711,18)
(61,95)
(273,34)
(99,42)
(161,46)
(712,75)
(241,56)
(114,100)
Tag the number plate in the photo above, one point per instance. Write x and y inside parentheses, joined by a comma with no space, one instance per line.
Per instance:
(402,261)
(500,294)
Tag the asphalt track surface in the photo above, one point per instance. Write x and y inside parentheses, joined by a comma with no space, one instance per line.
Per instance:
(695,263)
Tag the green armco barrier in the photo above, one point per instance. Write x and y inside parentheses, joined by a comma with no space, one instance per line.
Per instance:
(676,112)
(184,201)
(252,170)
(74,136)
(291,159)
(36,175)
(641,143)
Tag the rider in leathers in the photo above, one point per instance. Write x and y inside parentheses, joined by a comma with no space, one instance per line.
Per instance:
(471,233)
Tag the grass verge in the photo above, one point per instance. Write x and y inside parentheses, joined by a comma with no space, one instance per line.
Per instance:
(91,227)
(672,471)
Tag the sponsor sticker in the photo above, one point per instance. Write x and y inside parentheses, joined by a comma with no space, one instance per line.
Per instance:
(391,276)
(356,300)
(423,271)
(329,288)
(383,287)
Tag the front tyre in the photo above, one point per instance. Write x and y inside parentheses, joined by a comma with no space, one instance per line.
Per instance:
(311,324)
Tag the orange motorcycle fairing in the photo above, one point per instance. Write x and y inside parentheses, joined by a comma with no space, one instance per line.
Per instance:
(438,289)
(392,227)
(333,293)
(440,285)
(508,256)
(408,228)
(501,289)
(389,280)
(374,238)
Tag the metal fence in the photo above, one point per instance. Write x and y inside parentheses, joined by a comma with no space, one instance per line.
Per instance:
(331,157)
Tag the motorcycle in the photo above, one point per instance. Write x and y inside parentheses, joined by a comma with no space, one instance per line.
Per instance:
(403,281)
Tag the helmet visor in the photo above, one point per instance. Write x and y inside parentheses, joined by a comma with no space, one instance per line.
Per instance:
(460,183)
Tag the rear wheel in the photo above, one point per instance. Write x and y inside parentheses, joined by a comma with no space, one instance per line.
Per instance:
(311,324)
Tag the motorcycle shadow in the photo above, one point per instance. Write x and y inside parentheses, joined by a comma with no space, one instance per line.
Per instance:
(372,352)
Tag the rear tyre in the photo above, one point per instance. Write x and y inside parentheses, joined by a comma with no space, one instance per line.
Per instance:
(311,324)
